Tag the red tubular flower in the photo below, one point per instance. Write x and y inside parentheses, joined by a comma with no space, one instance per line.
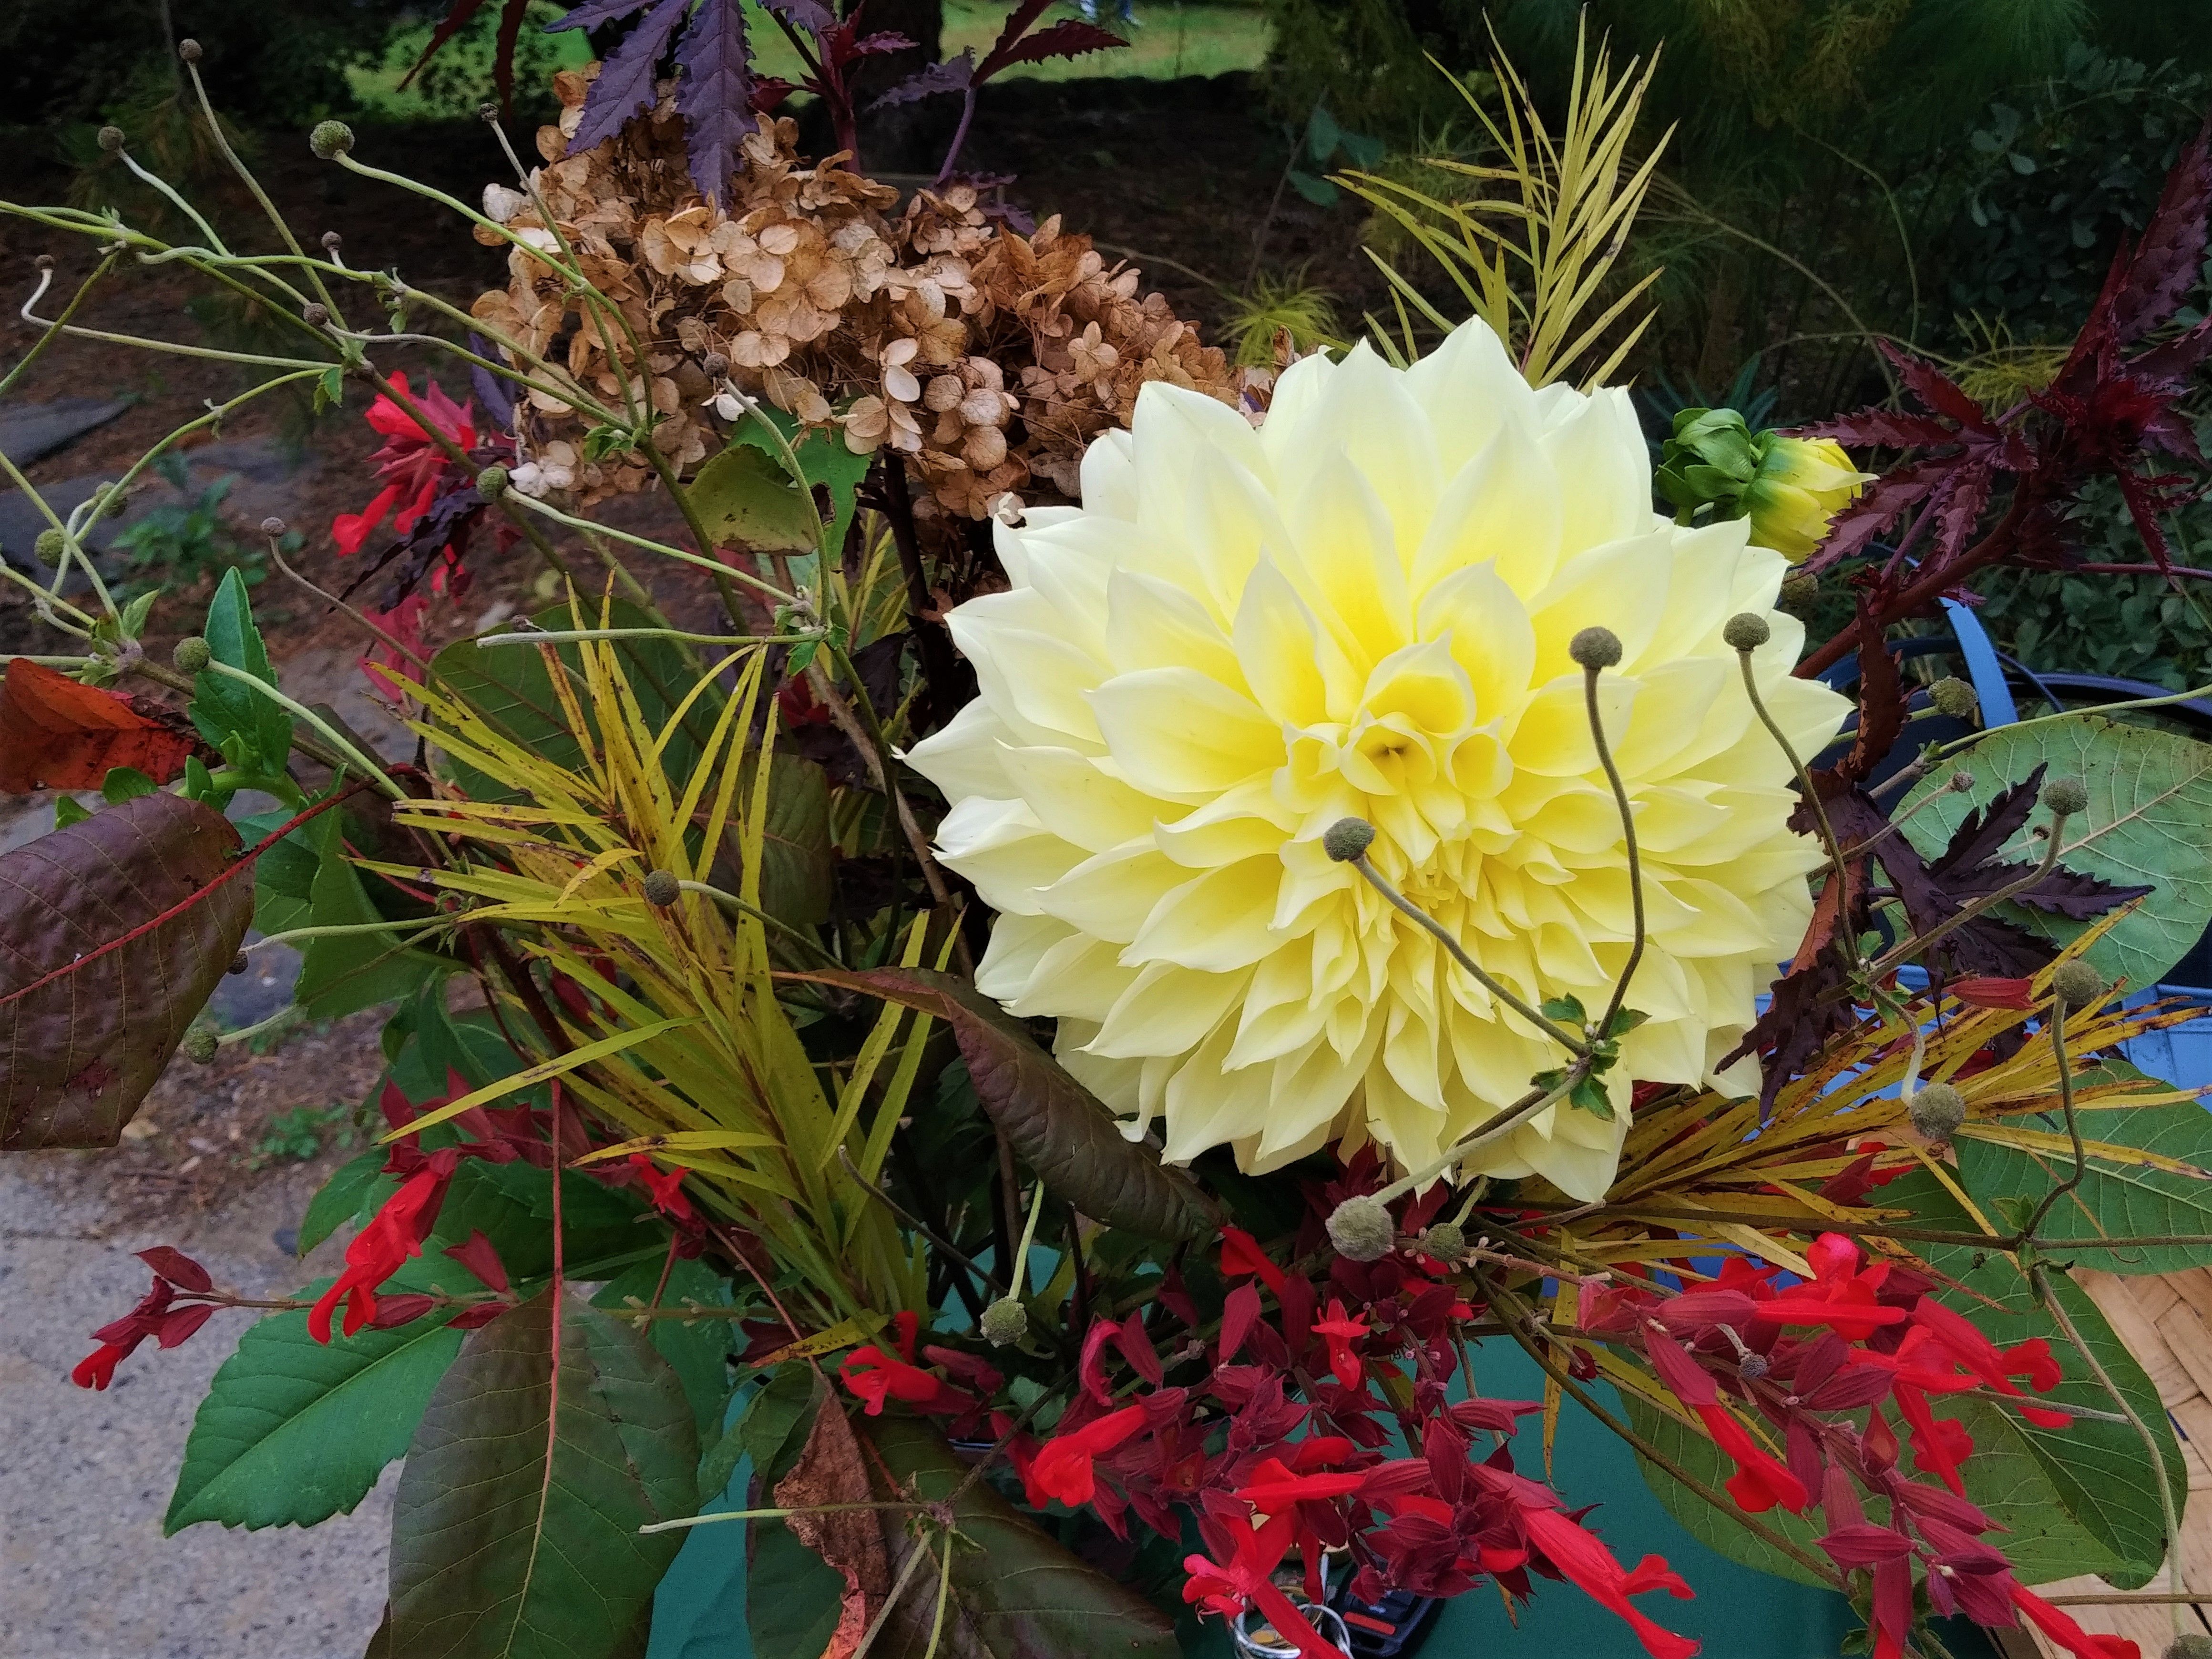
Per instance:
(1062,1467)
(1241,1253)
(97,1369)
(1247,1579)
(410,463)
(663,1187)
(1341,1330)
(152,1317)
(379,1250)
(2059,1627)
(1939,1445)
(1840,1296)
(1589,1566)
(1760,1481)
(1985,991)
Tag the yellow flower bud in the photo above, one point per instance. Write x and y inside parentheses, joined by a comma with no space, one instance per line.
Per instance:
(1802,484)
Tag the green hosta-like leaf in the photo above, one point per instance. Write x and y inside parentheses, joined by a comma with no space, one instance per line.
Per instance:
(293,1431)
(2114,1201)
(343,974)
(1014,1591)
(507,1542)
(284,876)
(2149,819)
(1058,1127)
(829,464)
(222,707)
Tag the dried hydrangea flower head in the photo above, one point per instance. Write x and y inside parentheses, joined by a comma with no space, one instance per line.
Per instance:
(1365,608)
(989,359)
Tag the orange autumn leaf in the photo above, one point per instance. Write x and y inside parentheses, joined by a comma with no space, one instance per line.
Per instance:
(57,735)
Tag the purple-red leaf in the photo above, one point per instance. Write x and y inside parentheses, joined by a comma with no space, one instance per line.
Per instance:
(90,1023)
(811,15)
(1882,429)
(2168,259)
(592,13)
(1069,39)
(716,93)
(953,75)
(625,85)
(1938,390)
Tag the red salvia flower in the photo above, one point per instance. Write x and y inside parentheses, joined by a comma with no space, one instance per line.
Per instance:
(1341,1330)
(1062,1467)
(380,1249)
(2056,1624)
(410,463)
(154,1317)
(1588,1566)
(1241,1253)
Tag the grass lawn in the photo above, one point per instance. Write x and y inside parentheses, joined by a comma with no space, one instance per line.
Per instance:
(1175,38)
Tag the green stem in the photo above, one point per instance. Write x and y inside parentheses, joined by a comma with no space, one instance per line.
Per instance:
(530,503)
(1604,1027)
(300,712)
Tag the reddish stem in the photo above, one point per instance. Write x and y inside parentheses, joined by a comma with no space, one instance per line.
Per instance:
(1937,580)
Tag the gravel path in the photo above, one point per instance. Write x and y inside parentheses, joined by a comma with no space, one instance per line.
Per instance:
(85,1477)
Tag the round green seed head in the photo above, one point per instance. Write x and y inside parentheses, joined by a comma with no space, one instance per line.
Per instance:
(50,546)
(1005,1322)
(329,140)
(1442,1241)
(272,525)
(491,482)
(1798,596)
(1953,696)
(2194,1645)
(1751,1367)
(111,140)
(200,1044)
(1962,782)
(2065,796)
(1937,1111)
(189,50)
(1361,1229)
(191,654)
(1348,839)
(2077,985)
(661,887)
(1747,630)
(1595,649)
(240,962)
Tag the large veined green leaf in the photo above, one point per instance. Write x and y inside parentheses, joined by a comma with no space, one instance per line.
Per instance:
(696,1348)
(510,1543)
(745,499)
(2115,1200)
(1694,1452)
(294,1431)
(2150,820)
(1015,1593)
(1057,1126)
(344,973)
(2098,1476)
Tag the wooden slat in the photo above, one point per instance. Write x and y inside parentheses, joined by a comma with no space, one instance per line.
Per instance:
(2124,1314)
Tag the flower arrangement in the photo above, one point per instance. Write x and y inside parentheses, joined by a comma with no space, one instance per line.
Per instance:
(1172,907)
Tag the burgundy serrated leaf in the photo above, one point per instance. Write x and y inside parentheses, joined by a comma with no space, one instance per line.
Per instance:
(953,75)
(1884,429)
(2170,256)
(625,85)
(1069,39)
(811,15)
(592,13)
(1937,391)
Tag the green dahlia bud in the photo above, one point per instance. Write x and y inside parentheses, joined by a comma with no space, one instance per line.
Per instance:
(1595,649)
(1005,1322)
(200,1044)
(1937,1111)
(1953,696)
(329,140)
(2063,796)
(661,887)
(1747,630)
(2077,985)
(491,482)
(1361,1229)
(50,546)
(191,654)
(1348,839)
(1714,467)
(1442,1241)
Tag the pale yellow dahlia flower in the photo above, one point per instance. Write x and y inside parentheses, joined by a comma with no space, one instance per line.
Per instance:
(1362,608)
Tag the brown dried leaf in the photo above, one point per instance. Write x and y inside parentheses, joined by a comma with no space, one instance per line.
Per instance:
(829,1470)
(85,1030)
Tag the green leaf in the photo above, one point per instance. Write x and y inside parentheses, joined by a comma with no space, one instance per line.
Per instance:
(1568,1011)
(124,783)
(2114,1201)
(2149,819)
(1319,192)
(1710,1527)
(341,1198)
(508,1541)
(135,612)
(1057,1126)
(69,812)
(284,876)
(1014,1590)
(344,973)
(2078,1499)
(293,1431)
(1365,150)
(222,708)
(697,1349)
(1322,134)
(746,498)
(823,456)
